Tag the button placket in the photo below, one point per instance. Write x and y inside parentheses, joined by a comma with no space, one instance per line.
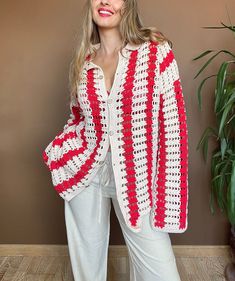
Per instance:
(111,121)
(110,100)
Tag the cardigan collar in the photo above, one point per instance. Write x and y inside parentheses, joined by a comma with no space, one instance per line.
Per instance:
(129,46)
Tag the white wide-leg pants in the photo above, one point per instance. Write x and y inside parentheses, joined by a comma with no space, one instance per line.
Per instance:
(87,218)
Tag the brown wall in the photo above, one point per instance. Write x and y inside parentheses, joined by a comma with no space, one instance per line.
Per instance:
(37,41)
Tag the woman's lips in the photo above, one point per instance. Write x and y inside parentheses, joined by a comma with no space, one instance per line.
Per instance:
(104,13)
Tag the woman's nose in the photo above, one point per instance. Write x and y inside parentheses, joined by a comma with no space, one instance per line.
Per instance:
(105,2)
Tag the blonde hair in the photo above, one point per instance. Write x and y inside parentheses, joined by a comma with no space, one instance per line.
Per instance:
(132,31)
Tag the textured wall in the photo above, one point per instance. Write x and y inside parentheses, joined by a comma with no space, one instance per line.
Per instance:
(37,41)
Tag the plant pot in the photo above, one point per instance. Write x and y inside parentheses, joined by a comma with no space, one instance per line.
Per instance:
(230,267)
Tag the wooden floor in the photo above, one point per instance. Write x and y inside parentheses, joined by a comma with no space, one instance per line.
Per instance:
(195,263)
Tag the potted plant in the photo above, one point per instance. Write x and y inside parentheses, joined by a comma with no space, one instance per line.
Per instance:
(223,133)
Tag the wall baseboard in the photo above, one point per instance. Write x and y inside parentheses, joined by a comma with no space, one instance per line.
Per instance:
(115,251)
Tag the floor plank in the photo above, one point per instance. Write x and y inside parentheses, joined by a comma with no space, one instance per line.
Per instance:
(207,266)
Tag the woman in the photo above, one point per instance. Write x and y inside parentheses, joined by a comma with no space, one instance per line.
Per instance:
(125,141)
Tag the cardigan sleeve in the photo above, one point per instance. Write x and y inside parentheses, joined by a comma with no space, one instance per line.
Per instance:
(66,141)
(172,162)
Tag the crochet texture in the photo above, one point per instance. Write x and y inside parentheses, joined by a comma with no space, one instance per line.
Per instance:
(144,121)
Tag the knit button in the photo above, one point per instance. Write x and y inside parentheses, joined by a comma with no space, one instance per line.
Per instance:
(100,77)
(111,133)
(101,162)
(110,101)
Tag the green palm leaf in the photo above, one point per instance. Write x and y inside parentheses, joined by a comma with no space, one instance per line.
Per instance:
(231,196)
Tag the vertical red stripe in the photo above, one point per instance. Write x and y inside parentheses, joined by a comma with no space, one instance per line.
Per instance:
(161,173)
(183,153)
(96,113)
(128,138)
(152,61)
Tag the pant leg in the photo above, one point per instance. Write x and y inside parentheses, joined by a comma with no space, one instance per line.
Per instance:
(150,252)
(88,240)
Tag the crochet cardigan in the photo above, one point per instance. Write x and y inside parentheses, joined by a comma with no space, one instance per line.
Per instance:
(143,120)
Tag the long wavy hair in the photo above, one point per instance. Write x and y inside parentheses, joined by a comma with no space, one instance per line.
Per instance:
(132,31)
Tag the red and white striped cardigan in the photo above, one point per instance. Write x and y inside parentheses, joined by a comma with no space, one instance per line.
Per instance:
(143,120)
